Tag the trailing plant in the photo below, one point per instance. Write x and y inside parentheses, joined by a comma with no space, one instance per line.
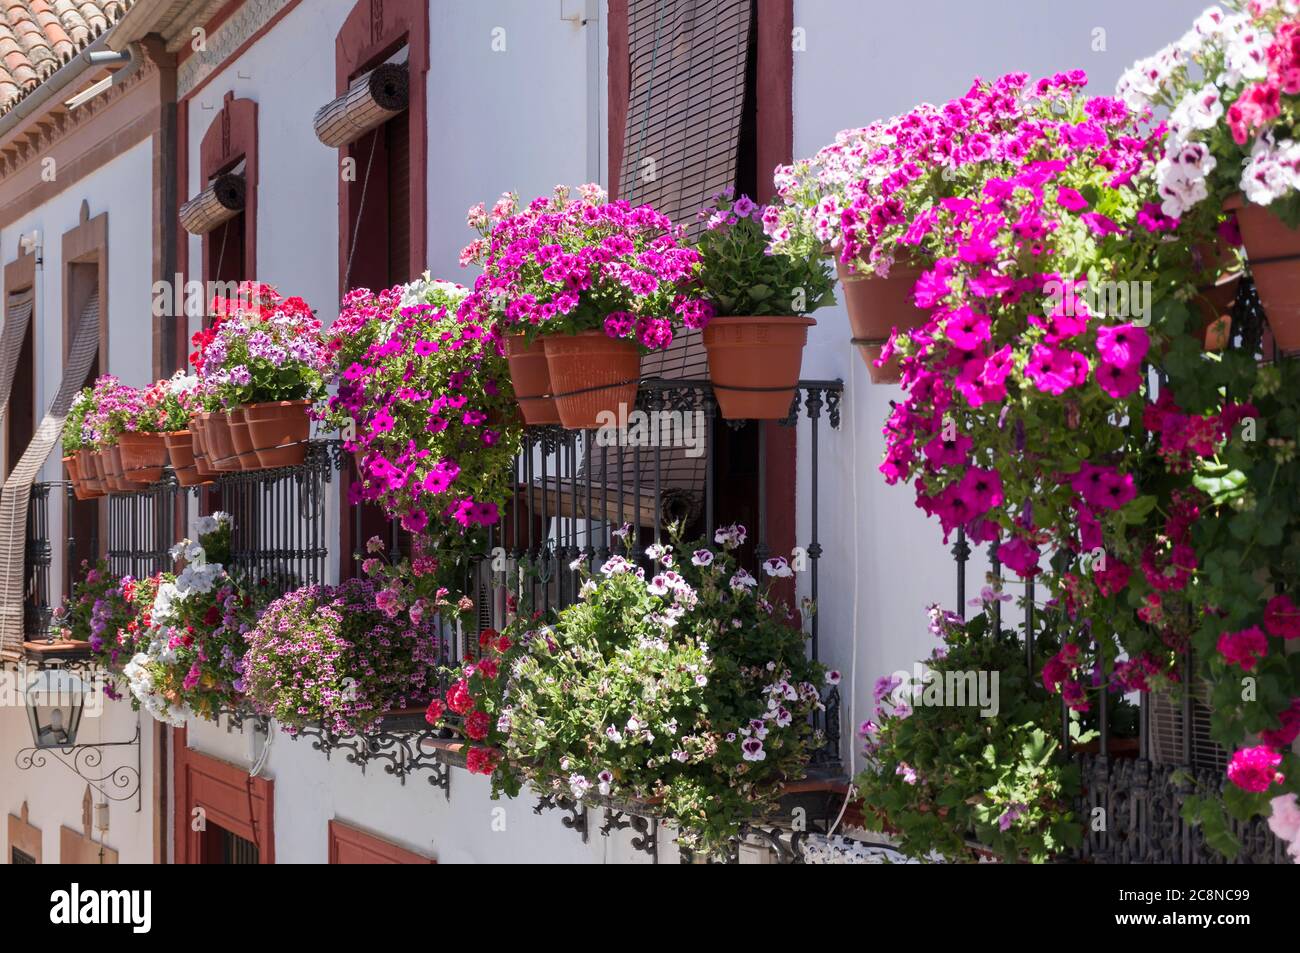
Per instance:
(73,439)
(739,276)
(425,404)
(563,266)
(686,686)
(948,771)
(339,656)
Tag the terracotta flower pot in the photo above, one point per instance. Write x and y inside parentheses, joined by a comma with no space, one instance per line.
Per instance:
(96,460)
(591,373)
(876,307)
(242,442)
(180,450)
(143,456)
(91,483)
(754,363)
(530,376)
(1215,295)
(1272,252)
(73,466)
(202,450)
(278,431)
(113,471)
(216,433)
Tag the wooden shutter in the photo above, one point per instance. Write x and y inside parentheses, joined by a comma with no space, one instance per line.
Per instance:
(219,202)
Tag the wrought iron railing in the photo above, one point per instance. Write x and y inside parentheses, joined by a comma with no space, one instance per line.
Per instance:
(142,528)
(37,553)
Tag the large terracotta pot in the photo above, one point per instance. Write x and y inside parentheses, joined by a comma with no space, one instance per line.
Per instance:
(143,456)
(591,373)
(876,307)
(242,442)
(216,433)
(754,363)
(180,450)
(1272,252)
(278,431)
(530,376)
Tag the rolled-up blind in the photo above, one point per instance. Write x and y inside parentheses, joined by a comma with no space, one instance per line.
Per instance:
(219,202)
(16,492)
(369,102)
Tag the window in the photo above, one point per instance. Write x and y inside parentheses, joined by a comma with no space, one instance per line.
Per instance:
(21,857)
(349,845)
(222,815)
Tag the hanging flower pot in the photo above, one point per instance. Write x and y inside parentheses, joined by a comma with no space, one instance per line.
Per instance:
(1214,296)
(754,363)
(278,431)
(1272,252)
(531,378)
(591,372)
(143,456)
(202,450)
(95,458)
(876,307)
(115,471)
(73,466)
(180,451)
(91,483)
(246,458)
(221,450)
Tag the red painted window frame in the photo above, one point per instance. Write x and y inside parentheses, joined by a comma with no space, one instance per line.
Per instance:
(374,30)
(229,798)
(345,836)
(232,136)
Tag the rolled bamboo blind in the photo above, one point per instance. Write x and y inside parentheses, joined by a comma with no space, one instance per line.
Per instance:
(219,202)
(369,102)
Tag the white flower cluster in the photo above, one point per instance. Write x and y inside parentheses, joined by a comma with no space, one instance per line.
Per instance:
(141,684)
(1228,51)
(427,290)
(1272,171)
(182,383)
(205,525)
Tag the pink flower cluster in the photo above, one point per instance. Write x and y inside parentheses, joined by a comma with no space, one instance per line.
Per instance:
(1006,325)
(565,266)
(1260,103)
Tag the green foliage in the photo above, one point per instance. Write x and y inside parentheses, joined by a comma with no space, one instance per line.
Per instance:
(942,777)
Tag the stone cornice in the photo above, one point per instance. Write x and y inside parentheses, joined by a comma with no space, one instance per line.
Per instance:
(224,42)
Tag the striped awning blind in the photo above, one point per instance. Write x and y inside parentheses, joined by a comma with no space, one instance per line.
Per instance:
(16,492)
(369,102)
(681,144)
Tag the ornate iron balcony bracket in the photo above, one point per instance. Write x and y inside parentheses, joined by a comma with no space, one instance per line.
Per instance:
(85,761)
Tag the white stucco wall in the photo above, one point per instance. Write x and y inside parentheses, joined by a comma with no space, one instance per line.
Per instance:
(870,60)
(499,119)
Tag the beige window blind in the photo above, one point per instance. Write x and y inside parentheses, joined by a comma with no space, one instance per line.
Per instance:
(369,102)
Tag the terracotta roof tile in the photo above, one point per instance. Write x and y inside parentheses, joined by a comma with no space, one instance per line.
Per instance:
(39,36)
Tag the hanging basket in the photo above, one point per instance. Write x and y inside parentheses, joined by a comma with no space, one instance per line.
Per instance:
(369,102)
(216,435)
(754,363)
(1272,253)
(591,374)
(218,203)
(876,307)
(180,451)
